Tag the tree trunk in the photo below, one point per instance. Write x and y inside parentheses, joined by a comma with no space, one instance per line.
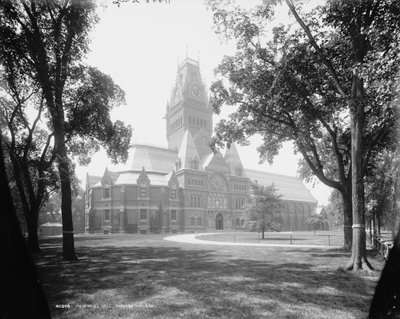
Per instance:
(359,250)
(370,229)
(65,180)
(20,284)
(347,220)
(394,206)
(374,227)
(378,220)
(32,225)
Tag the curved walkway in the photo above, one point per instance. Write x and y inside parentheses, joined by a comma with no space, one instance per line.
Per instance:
(192,239)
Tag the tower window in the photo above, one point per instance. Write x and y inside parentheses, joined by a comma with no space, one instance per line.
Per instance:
(173,214)
(143,214)
(195,163)
(107,214)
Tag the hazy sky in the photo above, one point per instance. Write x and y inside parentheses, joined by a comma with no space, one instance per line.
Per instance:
(140,46)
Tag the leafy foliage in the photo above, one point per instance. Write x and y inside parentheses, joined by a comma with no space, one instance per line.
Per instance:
(334,210)
(262,212)
(325,83)
(43,43)
(316,221)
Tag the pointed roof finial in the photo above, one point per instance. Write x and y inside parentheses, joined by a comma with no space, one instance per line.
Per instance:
(186,51)
(198,57)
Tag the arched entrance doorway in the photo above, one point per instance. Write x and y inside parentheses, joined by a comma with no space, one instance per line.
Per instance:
(219,221)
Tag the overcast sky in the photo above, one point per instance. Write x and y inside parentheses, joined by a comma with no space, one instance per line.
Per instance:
(140,45)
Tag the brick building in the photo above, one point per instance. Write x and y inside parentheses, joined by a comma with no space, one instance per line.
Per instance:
(185,187)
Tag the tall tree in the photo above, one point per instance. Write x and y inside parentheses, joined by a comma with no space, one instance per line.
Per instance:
(283,94)
(29,149)
(301,86)
(19,282)
(361,24)
(262,211)
(30,146)
(48,39)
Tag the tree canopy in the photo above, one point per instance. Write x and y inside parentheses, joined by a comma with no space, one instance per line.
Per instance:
(262,212)
(299,84)
(43,43)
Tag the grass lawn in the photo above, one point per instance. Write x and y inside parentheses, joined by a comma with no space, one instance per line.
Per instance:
(144,276)
(323,238)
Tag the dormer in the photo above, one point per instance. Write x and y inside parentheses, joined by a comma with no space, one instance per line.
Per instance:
(144,183)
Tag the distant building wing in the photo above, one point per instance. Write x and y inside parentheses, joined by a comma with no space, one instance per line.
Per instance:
(289,187)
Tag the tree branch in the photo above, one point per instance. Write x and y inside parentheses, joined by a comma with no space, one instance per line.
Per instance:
(314,44)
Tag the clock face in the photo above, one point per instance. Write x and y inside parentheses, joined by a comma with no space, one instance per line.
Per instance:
(196,91)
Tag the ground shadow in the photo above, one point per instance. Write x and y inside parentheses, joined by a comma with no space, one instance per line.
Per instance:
(217,282)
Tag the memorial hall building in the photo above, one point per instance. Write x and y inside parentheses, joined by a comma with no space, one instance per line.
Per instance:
(185,187)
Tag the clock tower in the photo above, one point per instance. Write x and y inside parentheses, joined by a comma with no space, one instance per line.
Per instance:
(187,109)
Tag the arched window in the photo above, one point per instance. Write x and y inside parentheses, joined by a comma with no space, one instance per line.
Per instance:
(195,163)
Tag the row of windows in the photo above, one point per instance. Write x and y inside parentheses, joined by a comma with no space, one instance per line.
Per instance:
(143,192)
(195,200)
(195,221)
(214,200)
(238,187)
(217,201)
(143,214)
(195,181)
(176,124)
(197,121)
(192,181)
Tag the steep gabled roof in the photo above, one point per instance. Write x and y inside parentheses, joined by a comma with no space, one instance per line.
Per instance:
(289,187)
(233,161)
(187,151)
(216,163)
(109,177)
(92,180)
(152,158)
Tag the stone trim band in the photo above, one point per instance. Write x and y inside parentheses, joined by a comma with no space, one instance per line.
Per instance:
(358,226)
